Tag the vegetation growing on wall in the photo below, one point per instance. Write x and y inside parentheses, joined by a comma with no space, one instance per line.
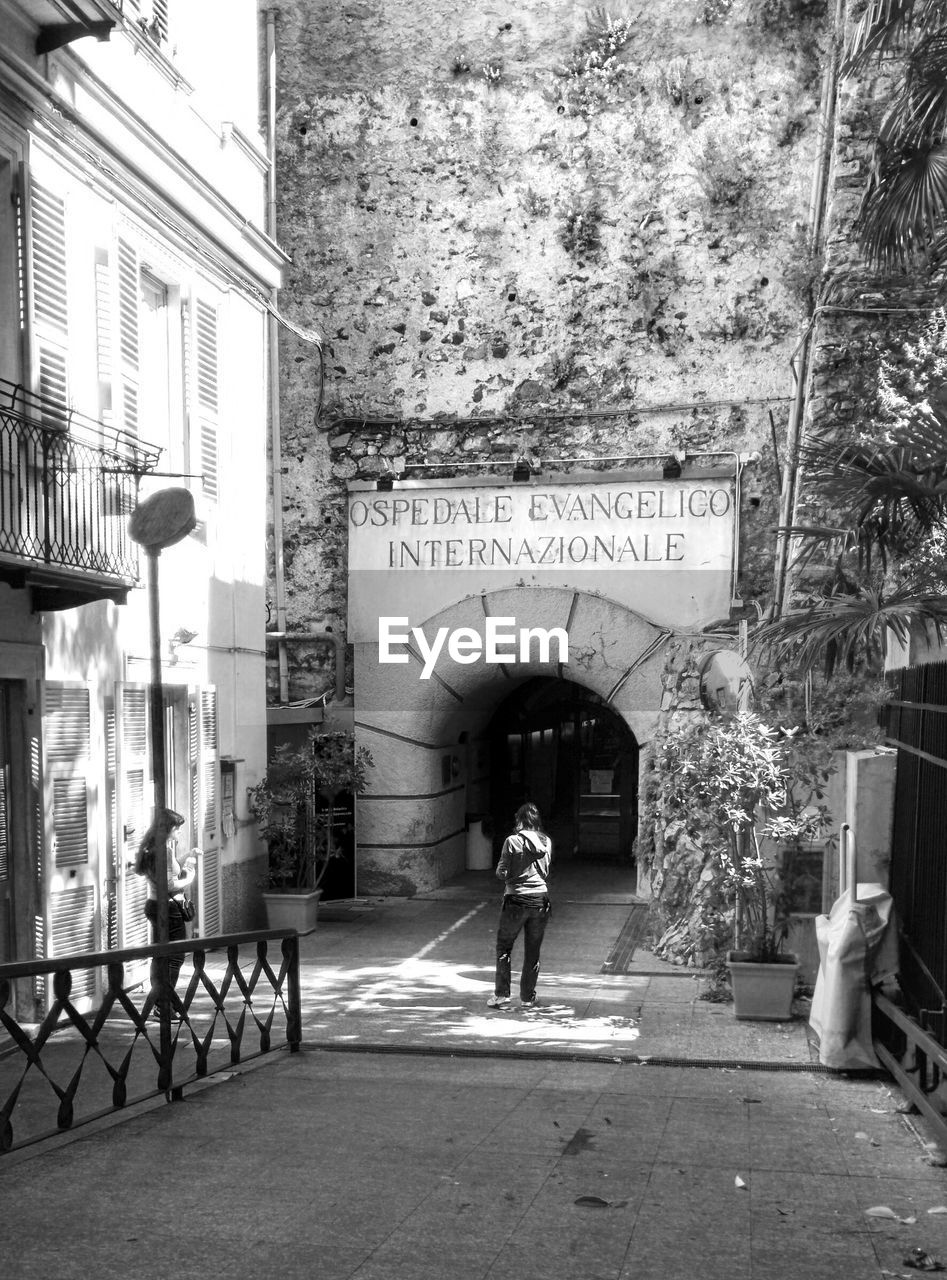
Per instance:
(581,228)
(724,169)
(878,513)
(595,70)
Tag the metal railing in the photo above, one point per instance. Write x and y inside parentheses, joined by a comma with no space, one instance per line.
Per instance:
(67,486)
(75,1066)
(914,1057)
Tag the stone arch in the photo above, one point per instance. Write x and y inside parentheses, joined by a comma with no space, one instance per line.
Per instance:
(412,820)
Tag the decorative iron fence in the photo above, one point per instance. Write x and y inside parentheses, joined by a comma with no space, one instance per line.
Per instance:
(79,1064)
(67,486)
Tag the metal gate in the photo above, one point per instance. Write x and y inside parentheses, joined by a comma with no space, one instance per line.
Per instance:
(916,724)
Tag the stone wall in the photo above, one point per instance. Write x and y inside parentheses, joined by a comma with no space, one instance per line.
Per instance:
(524,230)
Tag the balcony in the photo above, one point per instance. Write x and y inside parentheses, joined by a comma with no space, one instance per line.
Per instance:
(67,487)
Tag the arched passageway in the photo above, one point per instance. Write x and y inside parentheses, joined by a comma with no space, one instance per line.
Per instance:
(447,748)
(559,745)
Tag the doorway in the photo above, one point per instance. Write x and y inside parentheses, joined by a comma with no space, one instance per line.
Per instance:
(559,746)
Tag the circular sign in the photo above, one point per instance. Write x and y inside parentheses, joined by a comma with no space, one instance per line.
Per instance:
(726,683)
(163,519)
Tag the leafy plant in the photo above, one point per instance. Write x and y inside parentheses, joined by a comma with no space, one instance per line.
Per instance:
(593,67)
(903,216)
(725,791)
(716,987)
(724,170)
(784,15)
(580,233)
(536,205)
(295,803)
(715,11)
(878,519)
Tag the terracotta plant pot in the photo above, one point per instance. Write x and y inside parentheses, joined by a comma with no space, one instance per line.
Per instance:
(763,992)
(297,911)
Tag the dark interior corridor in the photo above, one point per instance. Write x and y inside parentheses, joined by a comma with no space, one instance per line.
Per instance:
(560,746)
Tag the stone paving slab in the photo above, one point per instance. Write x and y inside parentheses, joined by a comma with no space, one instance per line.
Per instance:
(353,1166)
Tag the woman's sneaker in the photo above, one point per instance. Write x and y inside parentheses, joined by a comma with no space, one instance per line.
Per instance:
(498,1002)
(529,1004)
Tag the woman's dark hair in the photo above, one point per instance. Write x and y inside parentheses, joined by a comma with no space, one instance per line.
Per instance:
(528,816)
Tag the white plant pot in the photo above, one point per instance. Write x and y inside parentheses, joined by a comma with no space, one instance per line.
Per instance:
(763,992)
(297,911)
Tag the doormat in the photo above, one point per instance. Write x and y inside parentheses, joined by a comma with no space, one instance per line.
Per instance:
(623,948)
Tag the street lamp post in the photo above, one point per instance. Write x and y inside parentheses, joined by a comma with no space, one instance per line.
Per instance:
(158,522)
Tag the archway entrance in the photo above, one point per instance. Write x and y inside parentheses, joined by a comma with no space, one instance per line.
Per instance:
(562,747)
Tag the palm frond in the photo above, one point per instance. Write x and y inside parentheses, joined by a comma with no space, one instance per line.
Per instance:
(882,499)
(886,25)
(917,114)
(904,206)
(847,629)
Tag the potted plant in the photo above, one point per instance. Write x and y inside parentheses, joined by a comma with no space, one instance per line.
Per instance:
(295,807)
(726,799)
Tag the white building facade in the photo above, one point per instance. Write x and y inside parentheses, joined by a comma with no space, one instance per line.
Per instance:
(135,286)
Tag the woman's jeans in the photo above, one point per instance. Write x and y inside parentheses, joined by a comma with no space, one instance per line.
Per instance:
(177,932)
(528,913)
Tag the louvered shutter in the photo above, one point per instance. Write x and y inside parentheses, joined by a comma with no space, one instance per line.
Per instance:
(104,326)
(67,737)
(133,812)
(113,880)
(129,335)
(206,395)
(204,779)
(48,299)
(159,16)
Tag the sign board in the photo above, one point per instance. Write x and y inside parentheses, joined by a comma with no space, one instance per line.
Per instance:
(163,519)
(664,548)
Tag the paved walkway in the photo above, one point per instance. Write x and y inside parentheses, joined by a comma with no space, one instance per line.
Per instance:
(419,972)
(547,1146)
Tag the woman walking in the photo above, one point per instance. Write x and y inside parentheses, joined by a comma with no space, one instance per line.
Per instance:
(524,869)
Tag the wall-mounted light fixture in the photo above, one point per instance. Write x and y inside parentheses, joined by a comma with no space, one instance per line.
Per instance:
(385,483)
(673,465)
(522,471)
(181,636)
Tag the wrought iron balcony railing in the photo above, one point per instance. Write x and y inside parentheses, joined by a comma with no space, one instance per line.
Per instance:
(67,486)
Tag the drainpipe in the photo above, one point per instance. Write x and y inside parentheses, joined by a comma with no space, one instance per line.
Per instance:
(276,452)
(801,359)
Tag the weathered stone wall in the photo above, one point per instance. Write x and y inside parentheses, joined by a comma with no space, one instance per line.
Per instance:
(506,215)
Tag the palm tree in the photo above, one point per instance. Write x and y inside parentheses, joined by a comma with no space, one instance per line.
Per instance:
(903,216)
(878,548)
